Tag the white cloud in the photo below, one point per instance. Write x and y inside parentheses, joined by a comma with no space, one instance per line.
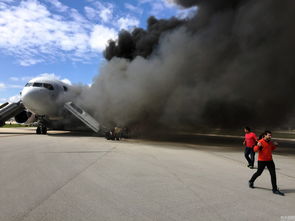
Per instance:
(27,61)
(158,7)
(169,3)
(99,35)
(77,18)
(145,1)
(106,14)
(133,8)
(14,99)
(186,13)
(127,22)
(27,78)
(33,34)
(6,86)
(91,13)
(54,77)
(58,5)
(103,14)
(181,12)
(23,79)
(49,76)
(2,86)
(4,2)
(104,11)
(15,86)
(14,79)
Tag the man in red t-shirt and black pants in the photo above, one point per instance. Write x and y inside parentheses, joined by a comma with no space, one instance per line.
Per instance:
(249,142)
(265,147)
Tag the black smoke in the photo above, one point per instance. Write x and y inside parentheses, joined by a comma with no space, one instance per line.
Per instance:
(230,65)
(140,42)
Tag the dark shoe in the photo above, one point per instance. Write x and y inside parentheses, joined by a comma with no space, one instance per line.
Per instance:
(251,184)
(248,165)
(278,192)
(251,167)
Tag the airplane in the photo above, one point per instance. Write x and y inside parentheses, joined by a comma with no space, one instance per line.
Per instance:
(49,102)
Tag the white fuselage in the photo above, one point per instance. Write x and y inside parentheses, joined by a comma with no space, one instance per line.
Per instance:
(43,96)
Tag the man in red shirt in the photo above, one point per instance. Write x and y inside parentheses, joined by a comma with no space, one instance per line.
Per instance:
(249,142)
(265,147)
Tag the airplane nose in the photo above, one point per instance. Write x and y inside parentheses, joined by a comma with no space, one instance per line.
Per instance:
(29,96)
(36,100)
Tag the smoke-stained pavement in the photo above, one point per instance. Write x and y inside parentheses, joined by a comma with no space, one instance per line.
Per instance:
(68,177)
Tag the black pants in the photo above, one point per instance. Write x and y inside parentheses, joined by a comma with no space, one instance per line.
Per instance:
(272,170)
(250,152)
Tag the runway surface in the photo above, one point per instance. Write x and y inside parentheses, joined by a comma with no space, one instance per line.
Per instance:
(69,177)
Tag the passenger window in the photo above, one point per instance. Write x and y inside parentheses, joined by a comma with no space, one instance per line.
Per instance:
(48,86)
(65,88)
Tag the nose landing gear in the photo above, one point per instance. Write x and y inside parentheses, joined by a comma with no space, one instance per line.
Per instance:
(41,128)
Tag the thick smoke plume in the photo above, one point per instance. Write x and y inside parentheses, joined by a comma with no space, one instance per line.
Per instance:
(230,65)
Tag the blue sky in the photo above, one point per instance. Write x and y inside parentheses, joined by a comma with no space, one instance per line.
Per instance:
(64,39)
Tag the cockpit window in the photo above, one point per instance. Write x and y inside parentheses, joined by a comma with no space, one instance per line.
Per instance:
(48,86)
(65,88)
(37,84)
(29,84)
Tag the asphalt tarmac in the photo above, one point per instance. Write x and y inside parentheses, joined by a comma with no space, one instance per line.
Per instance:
(66,176)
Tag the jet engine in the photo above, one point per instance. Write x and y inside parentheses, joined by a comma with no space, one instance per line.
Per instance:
(22,117)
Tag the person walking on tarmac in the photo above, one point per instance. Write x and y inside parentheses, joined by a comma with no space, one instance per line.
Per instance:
(249,142)
(265,146)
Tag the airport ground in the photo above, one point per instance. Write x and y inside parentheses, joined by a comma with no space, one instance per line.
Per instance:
(69,177)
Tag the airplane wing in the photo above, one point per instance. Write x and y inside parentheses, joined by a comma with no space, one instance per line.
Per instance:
(8,111)
(83,116)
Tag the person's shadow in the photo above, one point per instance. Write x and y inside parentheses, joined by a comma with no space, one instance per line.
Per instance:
(288,190)
(282,190)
